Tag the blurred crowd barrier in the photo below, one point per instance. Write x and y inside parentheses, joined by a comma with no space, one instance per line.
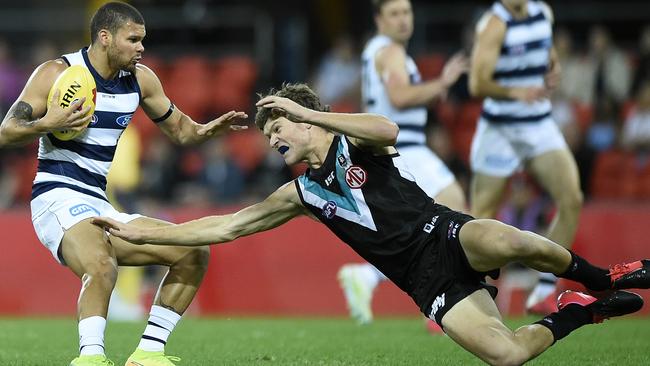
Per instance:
(287,271)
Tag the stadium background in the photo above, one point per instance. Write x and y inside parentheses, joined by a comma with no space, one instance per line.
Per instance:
(213,56)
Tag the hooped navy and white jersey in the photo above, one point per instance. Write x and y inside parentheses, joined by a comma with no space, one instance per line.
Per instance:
(81,164)
(523,61)
(371,203)
(411,121)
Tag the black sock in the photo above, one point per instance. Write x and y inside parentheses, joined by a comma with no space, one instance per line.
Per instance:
(565,321)
(594,278)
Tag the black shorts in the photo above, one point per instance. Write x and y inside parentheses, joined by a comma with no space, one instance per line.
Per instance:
(443,276)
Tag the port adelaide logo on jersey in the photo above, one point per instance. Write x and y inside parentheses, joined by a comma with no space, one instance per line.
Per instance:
(355,177)
(329,209)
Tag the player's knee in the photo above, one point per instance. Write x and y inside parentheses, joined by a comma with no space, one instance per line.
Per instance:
(571,200)
(196,258)
(514,243)
(102,272)
(505,356)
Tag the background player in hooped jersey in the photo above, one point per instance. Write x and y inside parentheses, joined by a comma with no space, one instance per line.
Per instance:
(392,86)
(514,66)
(358,186)
(70,184)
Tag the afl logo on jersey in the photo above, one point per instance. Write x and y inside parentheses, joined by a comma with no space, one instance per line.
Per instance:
(124,120)
(94,119)
(329,209)
(355,177)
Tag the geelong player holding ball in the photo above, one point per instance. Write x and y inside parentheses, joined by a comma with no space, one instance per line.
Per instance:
(69,187)
(74,83)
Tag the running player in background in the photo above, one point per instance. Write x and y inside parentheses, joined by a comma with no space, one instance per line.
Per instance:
(70,185)
(359,187)
(391,86)
(514,67)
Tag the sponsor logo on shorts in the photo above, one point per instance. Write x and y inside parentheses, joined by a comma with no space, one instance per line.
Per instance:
(429,226)
(438,303)
(355,177)
(329,209)
(452,231)
(124,120)
(82,208)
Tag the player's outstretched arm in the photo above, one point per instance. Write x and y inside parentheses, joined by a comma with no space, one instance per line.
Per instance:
(391,65)
(33,115)
(366,128)
(178,126)
(281,206)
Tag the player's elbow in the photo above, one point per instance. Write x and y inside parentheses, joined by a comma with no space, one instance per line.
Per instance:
(392,130)
(385,130)
(398,101)
(474,87)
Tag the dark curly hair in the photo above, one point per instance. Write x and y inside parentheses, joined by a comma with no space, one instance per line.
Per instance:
(111,16)
(299,93)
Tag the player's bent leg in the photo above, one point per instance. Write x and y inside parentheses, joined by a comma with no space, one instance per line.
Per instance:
(486,192)
(490,244)
(453,197)
(556,171)
(187,266)
(86,251)
(475,324)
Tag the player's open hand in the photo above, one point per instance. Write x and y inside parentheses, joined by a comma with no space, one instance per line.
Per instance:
(286,105)
(222,124)
(457,65)
(73,117)
(127,232)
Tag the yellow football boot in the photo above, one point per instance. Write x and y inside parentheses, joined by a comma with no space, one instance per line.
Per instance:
(91,360)
(145,358)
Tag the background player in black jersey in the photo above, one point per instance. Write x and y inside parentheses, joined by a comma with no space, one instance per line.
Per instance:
(357,186)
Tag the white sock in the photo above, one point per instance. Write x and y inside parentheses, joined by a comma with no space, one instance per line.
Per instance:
(546,284)
(91,335)
(373,275)
(160,325)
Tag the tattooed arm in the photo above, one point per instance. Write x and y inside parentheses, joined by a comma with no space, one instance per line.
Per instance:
(29,117)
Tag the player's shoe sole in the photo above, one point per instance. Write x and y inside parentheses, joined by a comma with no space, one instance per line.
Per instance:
(617,303)
(631,275)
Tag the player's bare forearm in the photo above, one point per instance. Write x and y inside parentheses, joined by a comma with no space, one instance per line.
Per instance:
(373,129)
(489,88)
(278,208)
(407,96)
(183,130)
(18,127)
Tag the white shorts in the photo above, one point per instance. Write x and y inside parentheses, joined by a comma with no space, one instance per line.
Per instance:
(501,149)
(56,211)
(430,173)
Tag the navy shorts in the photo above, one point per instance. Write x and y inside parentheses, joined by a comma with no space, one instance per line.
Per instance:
(444,276)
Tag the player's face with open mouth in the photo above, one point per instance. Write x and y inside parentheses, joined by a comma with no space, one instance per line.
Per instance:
(286,138)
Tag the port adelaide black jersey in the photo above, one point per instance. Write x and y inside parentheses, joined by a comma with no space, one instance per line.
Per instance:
(372,203)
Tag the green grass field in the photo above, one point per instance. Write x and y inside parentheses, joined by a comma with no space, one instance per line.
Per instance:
(312,341)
